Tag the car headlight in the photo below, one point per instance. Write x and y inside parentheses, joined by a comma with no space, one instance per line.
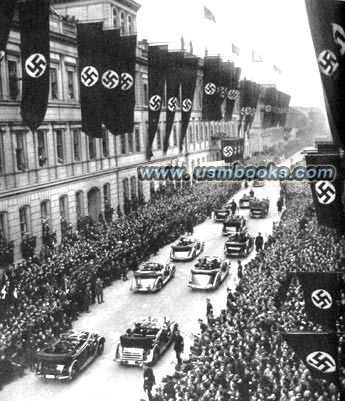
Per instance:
(60,368)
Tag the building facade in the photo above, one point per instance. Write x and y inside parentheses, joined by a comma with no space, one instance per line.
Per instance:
(58,173)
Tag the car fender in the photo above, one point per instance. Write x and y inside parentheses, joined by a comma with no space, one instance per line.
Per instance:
(118,351)
(74,365)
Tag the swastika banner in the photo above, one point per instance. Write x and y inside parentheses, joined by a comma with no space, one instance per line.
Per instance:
(318,351)
(7,8)
(233,150)
(34,34)
(212,81)
(110,76)
(327,195)
(90,51)
(233,91)
(321,294)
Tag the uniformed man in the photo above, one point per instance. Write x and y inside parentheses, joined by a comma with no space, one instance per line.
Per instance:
(259,242)
(149,381)
(178,347)
(209,310)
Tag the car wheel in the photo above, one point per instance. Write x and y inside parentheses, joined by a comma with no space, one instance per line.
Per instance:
(74,370)
(100,348)
(159,285)
(173,273)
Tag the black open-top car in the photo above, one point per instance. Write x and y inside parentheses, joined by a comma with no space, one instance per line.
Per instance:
(73,352)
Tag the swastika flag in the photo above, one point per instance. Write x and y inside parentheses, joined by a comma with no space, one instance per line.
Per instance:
(321,294)
(7,8)
(318,351)
(34,34)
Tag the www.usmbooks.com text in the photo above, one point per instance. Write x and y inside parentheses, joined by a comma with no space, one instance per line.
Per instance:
(238,172)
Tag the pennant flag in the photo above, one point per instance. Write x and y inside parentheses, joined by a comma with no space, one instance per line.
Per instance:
(110,80)
(128,48)
(318,351)
(321,294)
(327,16)
(174,65)
(327,195)
(276,69)
(233,92)
(256,57)
(7,8)
(90,50)
(232,150)
(188,83)
(208,14)
(34,43)
(235,49)
(210,106)
(157,73)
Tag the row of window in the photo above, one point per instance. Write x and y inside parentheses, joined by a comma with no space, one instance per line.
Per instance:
(124,22)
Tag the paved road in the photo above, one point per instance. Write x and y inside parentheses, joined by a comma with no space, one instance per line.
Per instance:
(104,379)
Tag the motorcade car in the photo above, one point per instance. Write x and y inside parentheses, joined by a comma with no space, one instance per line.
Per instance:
(186,248)
(152,276)
(209,273)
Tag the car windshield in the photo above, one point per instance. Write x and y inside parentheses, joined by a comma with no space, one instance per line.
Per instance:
(153,267)
(207,264)
(185,241)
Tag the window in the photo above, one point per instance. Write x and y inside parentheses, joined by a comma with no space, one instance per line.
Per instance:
(79,202)
(133,186)
(24,217)
(146,95)
(20,158)
(106,193)
(130,24)
(140,190)
(3,226)
(76,144)
(123,144)
(105,143)
(1,94)
(54,94)
(191,135)
(2,160)
(130,142)
(175,135)
(92,147)
(122,23)
(159,139)
(115,18)
(125,188)
(70,84)
(13,79)
(41,149)
(206,133)
(63,208)
(197,133)
(59,146)
(137,139)
(201,133)
(45,209)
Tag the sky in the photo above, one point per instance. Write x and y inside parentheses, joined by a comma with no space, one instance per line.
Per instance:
(277,30)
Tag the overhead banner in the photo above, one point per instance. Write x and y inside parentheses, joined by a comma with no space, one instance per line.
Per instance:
(110,80)
(233,92)
(327,16)
(232,150)
(7,8)
(173,82)
(327,195)
(318,351)
(210,106)
(188,83)
(90,52)
(128,48)
(157,57)
(34,44)
(321,295)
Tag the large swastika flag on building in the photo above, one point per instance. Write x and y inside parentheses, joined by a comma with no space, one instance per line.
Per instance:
(233,92)
(157,58)
(34,43)
(318,351)
(7,8)
(210,104)
(327,195)
(188,83)
(321,294)
(110,80)
(327,16)
(174,73)
(90,50)
(127,83)
(232,150)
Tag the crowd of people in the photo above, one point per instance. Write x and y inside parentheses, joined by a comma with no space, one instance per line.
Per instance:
(40,297)
(240,355)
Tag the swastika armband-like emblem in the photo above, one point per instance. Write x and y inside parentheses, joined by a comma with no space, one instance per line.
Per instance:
(233,94)
(210,89)
(110,79)
(155,103)
(228,151)
(328,62)
(325,192)
(186,105)
(172,103)
(35,65)
(322,299)
(89,76)
(126,81)
(321,361)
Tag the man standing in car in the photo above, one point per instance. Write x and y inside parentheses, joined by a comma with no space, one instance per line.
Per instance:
(178,346)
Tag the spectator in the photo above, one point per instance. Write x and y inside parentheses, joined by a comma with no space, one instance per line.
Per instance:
(99,290)
(178,346)
(259,242)
(149,381)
